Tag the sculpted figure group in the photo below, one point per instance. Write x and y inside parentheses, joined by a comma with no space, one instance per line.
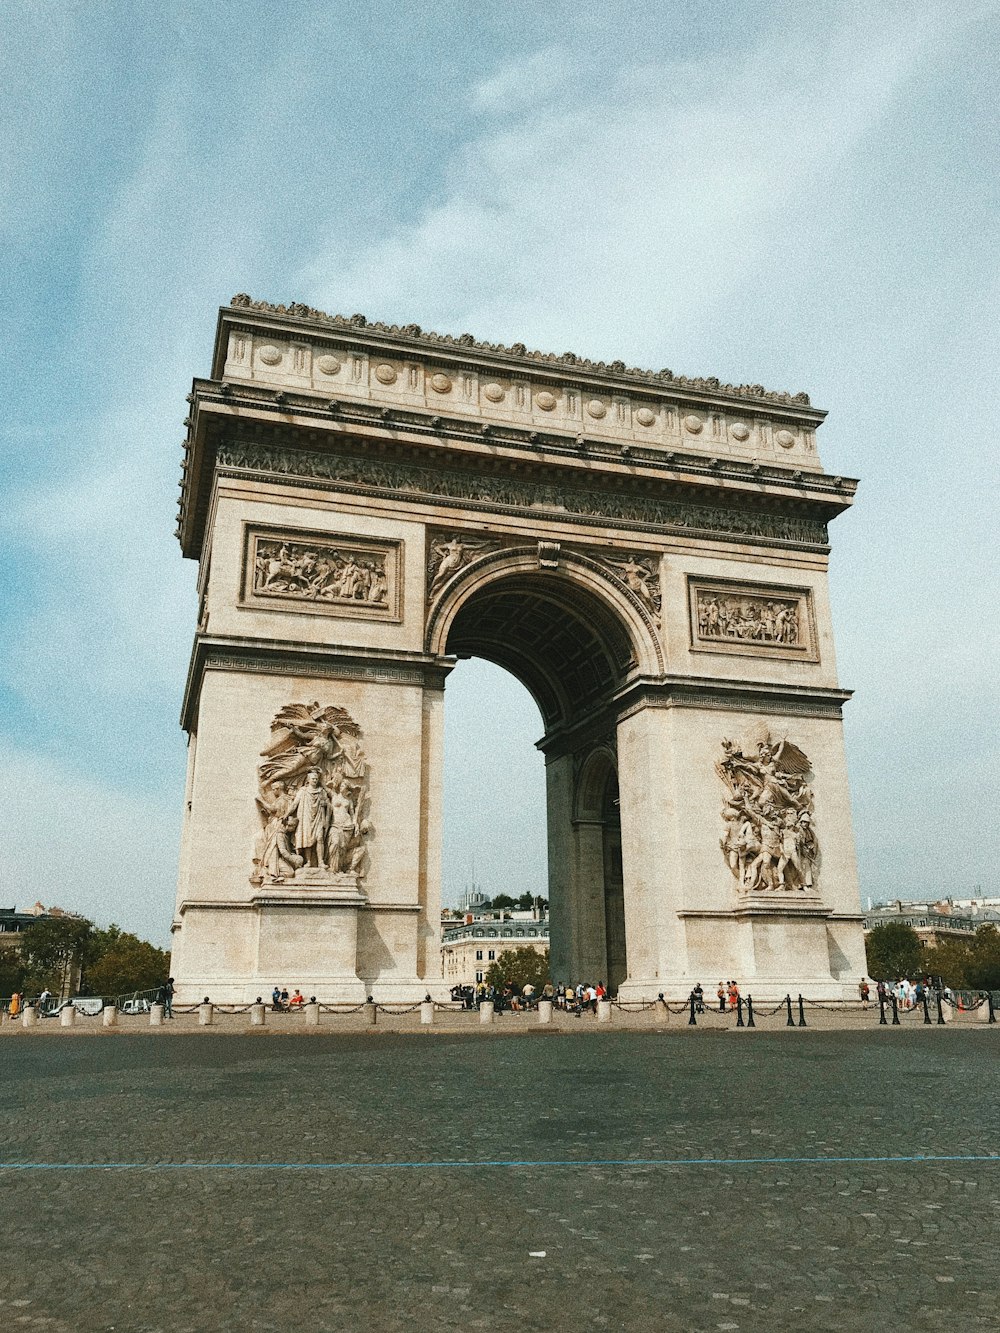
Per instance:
(769,842)
(312,797)
(748,619)
(318,573)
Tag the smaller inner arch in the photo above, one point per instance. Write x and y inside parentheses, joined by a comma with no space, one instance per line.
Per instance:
(559,639)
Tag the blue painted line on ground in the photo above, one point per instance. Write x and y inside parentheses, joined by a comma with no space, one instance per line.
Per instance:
(501,1163)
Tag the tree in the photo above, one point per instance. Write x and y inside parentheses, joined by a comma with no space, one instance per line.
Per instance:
(125,963)
(503,901)
(11,969)
(54,949)
(894,950)
(949,960)
(519,967)
(983,967)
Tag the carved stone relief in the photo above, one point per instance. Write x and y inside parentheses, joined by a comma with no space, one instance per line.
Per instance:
(770,844)
(321,573)
(449,553)
(641,575)
(378,475)
(752,619)
(312,800)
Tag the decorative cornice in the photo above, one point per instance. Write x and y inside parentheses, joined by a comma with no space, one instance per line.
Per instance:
(473,490)
(566,363)
(731,696)
(288,658)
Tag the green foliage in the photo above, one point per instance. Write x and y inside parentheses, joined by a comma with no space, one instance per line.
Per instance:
(950,960)
(894,950)
(984,959)
(125,963)
(503,901)
(11,969)
(519,966)
(52,949)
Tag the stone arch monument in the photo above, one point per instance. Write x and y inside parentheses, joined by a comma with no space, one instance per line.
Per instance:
(647,553)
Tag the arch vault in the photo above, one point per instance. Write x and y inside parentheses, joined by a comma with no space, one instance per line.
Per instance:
(647,554)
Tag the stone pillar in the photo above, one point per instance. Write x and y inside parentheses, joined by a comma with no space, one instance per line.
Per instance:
(156,1016)
(486,1012)
(29,1017)
(257,1012)
(312,1014)
(604,1011)
(545,1011)
(426,1013)
(661,1013)
(67,1016)
(206,1013)
(109,1015)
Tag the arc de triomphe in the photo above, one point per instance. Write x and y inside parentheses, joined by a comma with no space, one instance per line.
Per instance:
(647,553)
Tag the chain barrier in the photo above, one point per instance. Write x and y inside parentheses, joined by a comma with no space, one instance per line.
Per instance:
(634,1006)
(396,1013)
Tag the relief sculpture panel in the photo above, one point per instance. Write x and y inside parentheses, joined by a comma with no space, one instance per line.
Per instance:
(322,573)
(770,842)
(752,619)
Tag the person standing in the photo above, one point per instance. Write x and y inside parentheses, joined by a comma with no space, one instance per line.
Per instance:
(864,991)
(721,993)
(167,995)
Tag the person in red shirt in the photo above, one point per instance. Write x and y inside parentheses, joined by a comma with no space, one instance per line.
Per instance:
(298,998)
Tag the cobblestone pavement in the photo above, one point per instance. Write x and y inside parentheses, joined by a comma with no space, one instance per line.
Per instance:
(796,1244)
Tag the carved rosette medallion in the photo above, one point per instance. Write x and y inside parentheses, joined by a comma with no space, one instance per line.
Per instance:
(752,619)
(770,842)
(321,572)
(312,801)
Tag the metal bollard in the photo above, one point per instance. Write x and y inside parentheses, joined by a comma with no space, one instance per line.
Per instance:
(802,1013)
(604,1011)
(67,1016)
(739,1012)
(486,1012)
(257,1012)
(750,1022)
(788,1006)
(156,1016)
(206,1013)
(940,1008)
(927,1011)
(371,1012)
(692,1021)
(882,1021)
(109,1015)
(312,1013)
(426,1012)
(29,1017)
(895,1010)
(545,1011)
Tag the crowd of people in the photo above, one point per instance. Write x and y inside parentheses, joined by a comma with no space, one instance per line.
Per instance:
(579,999)
(281,1001)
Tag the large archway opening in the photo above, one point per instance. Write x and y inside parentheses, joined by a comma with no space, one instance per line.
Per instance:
(571,650)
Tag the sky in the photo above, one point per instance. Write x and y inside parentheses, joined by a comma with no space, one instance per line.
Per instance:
(800,194)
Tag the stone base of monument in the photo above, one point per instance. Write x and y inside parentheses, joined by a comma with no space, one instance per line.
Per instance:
(307,935)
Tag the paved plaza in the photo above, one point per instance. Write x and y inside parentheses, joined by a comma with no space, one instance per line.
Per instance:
(281,1181)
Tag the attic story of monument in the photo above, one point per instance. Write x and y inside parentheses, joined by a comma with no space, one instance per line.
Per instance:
(646,553)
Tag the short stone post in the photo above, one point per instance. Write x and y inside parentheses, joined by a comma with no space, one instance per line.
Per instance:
(371,1012)
(661,1013)
(426,1012)
(257,1013)
(109,1015)
(156,1016)
(604,1011)
(312,1013)
(486,1012)
(67,1016)
(206,1013)
(545,1011)
(29,1017)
